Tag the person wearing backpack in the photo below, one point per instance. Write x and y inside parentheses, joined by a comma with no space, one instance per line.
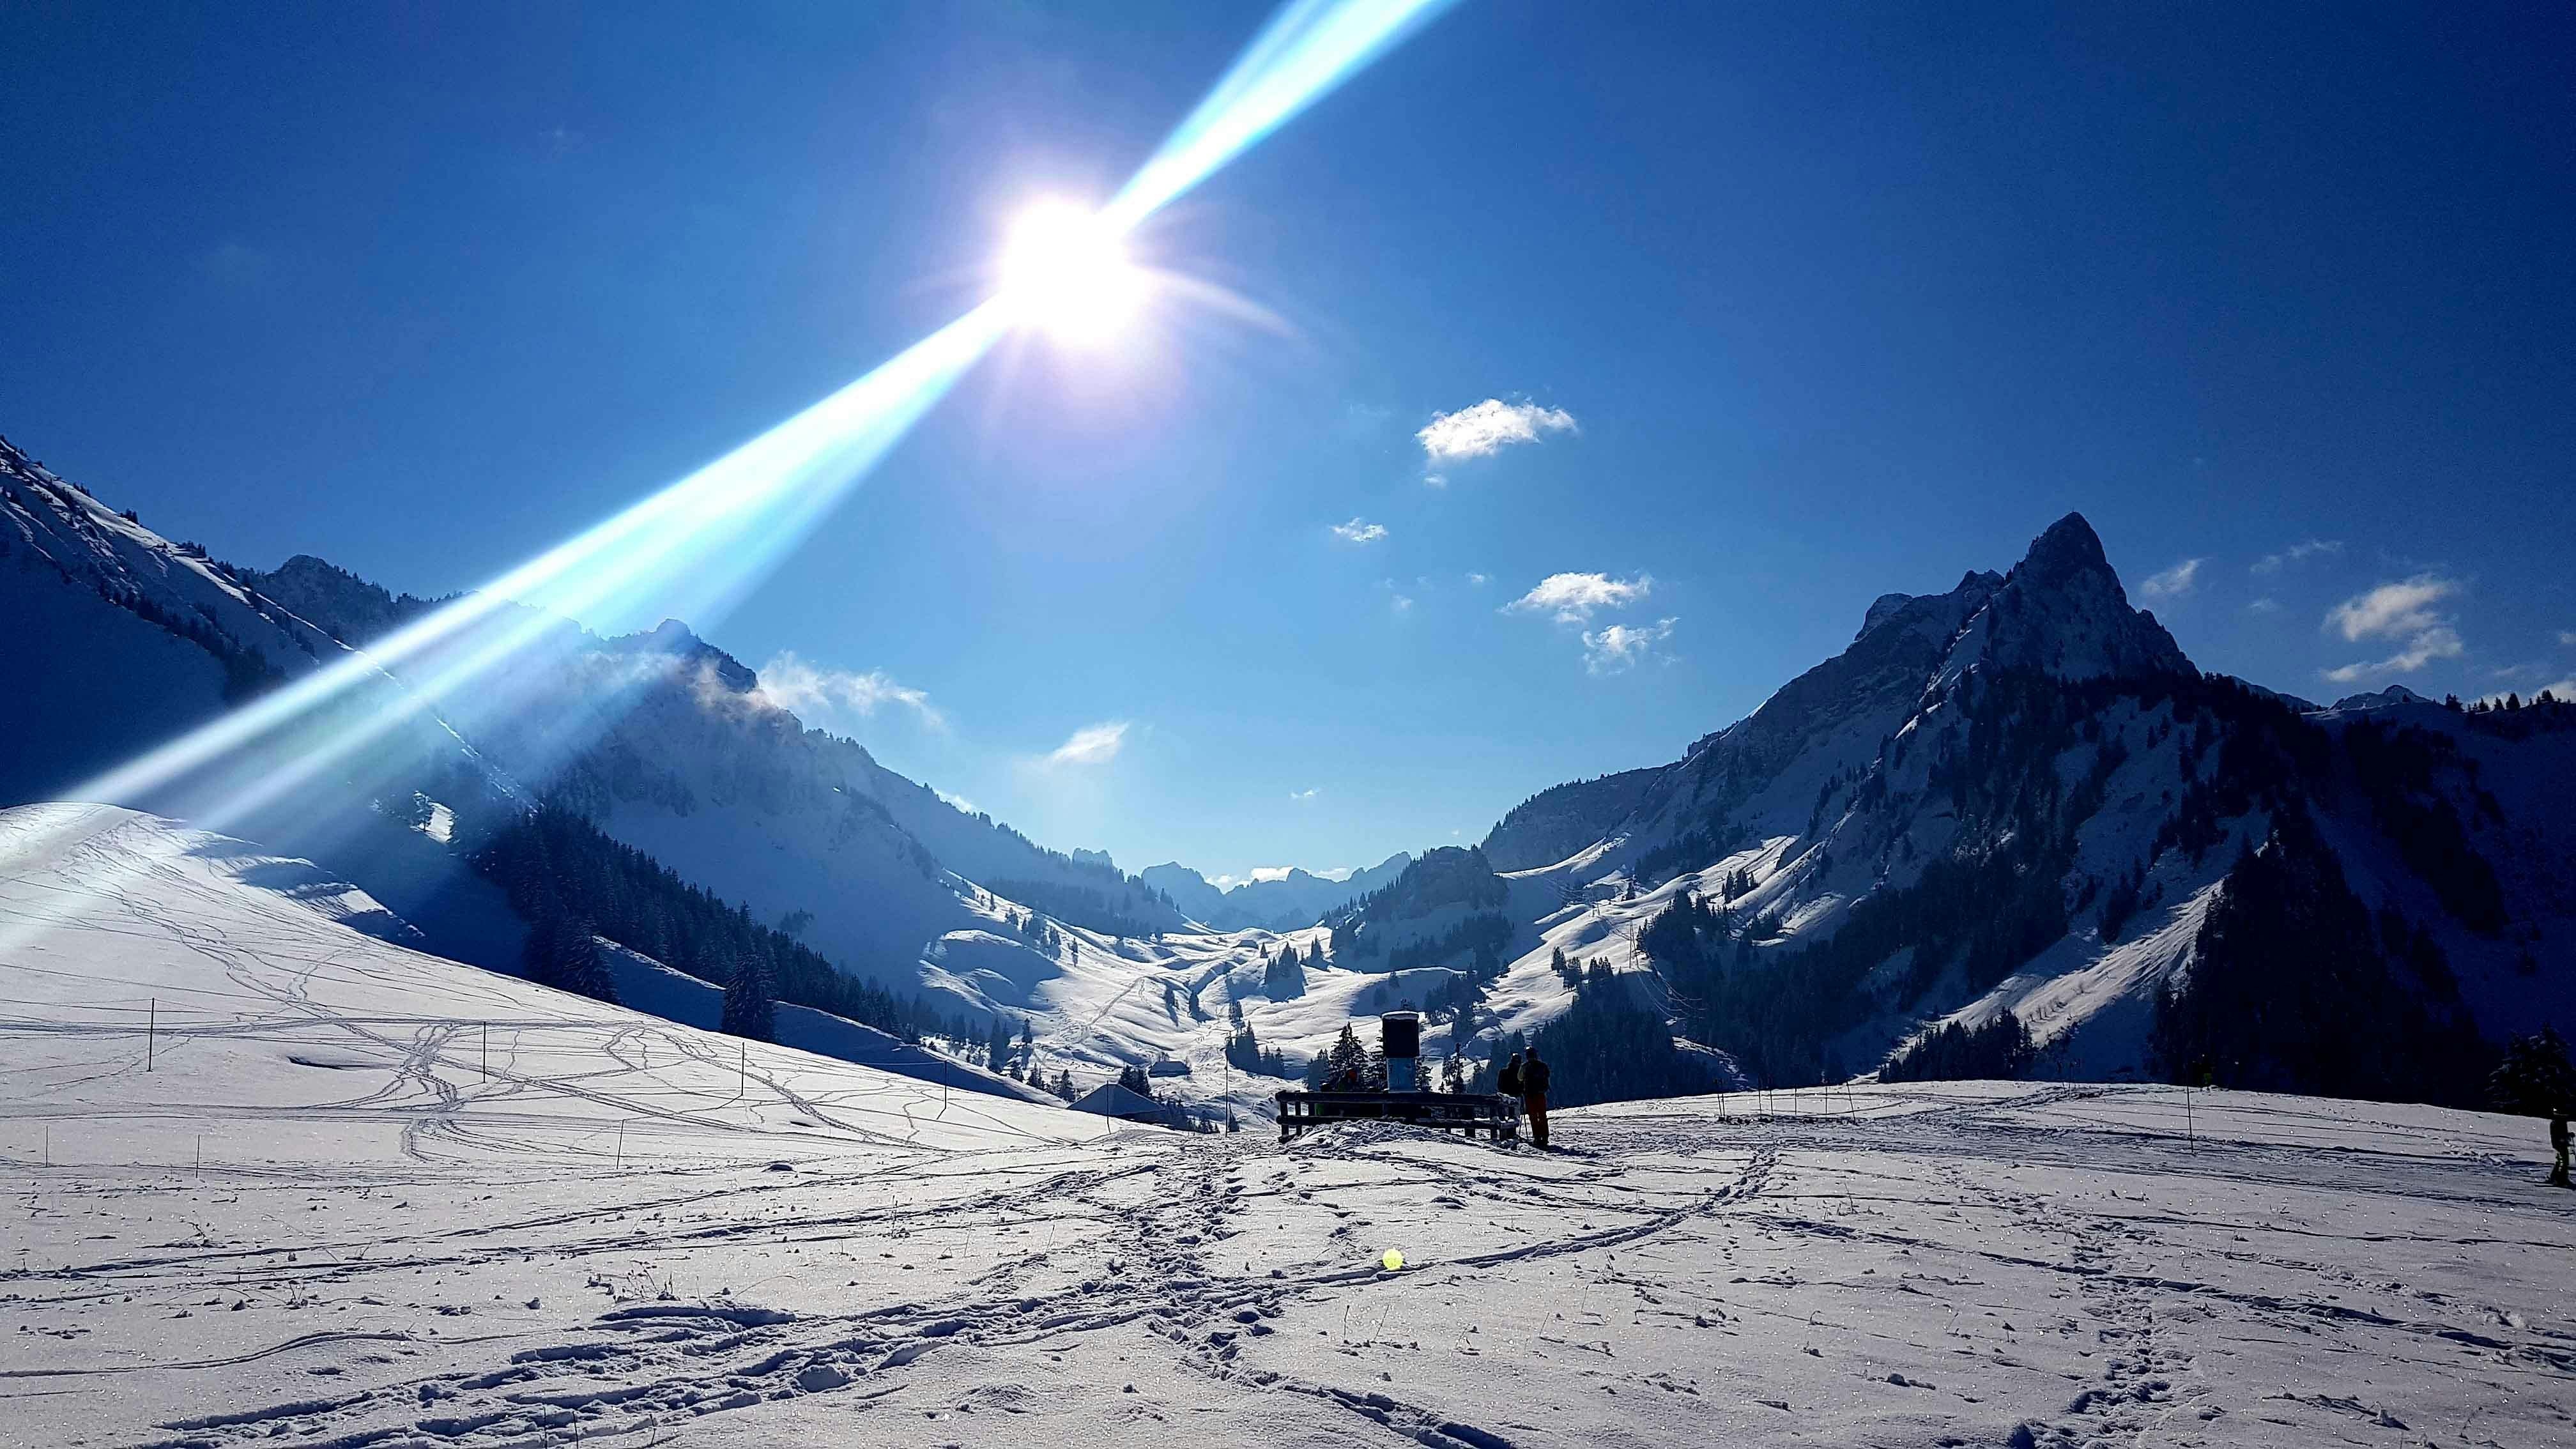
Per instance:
(1534,1098)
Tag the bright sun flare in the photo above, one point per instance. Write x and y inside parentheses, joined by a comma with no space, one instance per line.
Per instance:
(1067,271)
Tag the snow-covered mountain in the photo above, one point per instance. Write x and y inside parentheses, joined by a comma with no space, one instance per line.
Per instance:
(662,740)
(2013,796)
(1283,902)
(2020,796)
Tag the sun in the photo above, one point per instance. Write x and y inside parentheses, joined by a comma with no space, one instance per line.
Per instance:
(1067,271)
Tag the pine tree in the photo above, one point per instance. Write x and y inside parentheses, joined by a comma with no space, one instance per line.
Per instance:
(2535,1078)
(562,953)
(749,1008)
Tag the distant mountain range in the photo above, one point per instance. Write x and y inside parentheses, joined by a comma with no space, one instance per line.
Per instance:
(1279,903)
(2009,830)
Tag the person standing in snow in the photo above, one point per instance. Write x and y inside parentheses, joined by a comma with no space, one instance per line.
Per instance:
(2558,1139)
(1508,1080)
(1534,1098)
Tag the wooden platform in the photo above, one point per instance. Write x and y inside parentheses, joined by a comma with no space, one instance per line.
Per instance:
(1469,1112)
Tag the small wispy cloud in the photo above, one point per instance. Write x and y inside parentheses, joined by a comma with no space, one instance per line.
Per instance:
(804,687)
(2265,605)
(2404,607)
(2403,611)
(1478,581)
(1573,598)
(2271,563)
(1091,745)
(1306,794)
(957,801)
(1617,647)
(1401,603)
(2174,582)
(1435,480)
(2423,649)
(1359,530)
(1488,428)
(2567,637)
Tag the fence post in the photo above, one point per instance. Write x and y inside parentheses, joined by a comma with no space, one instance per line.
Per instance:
(151,1031)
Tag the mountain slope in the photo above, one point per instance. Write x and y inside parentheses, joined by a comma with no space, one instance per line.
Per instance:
(665,741)
(2018,795)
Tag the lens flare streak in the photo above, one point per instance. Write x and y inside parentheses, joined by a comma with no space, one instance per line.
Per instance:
(1306,51)
(703,540)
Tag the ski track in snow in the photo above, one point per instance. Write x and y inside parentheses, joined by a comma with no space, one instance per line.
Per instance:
(634,1233)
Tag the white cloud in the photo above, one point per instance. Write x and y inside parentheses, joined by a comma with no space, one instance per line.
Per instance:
(959,801)
(798,684)
(2392,610)
(2567,637)
(2264,605)
(1480,580)
(2401,611)
(2437,642)
(2174,582)
(1574,597)
(1359,531)
(2271,563)
(1091,745)
(1618,646)
(1435,480)
(1402,603)
(1306,794)
(1489,427)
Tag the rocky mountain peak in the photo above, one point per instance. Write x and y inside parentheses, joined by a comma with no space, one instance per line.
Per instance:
(673,638)
(2062,611)
(2069,549)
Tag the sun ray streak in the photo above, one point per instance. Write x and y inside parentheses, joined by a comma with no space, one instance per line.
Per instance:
(1307,50)
(706,538)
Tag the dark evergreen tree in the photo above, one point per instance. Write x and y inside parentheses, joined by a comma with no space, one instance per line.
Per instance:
(2290,990)
(749,1001)
(2535,1078)
(553,862)
(2000,1049)
(562,953)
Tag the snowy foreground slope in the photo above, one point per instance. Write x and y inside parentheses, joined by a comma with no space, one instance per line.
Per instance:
(627,1235)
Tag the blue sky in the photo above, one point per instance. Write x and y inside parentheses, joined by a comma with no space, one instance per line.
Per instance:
(1738,316)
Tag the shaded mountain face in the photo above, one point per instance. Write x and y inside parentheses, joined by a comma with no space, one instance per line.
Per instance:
(335,600)
(1556,822)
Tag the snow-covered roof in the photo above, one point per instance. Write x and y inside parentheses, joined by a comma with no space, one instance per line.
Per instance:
(1110,1099)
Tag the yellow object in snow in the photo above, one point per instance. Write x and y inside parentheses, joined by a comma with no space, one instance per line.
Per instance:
(1392,1261)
